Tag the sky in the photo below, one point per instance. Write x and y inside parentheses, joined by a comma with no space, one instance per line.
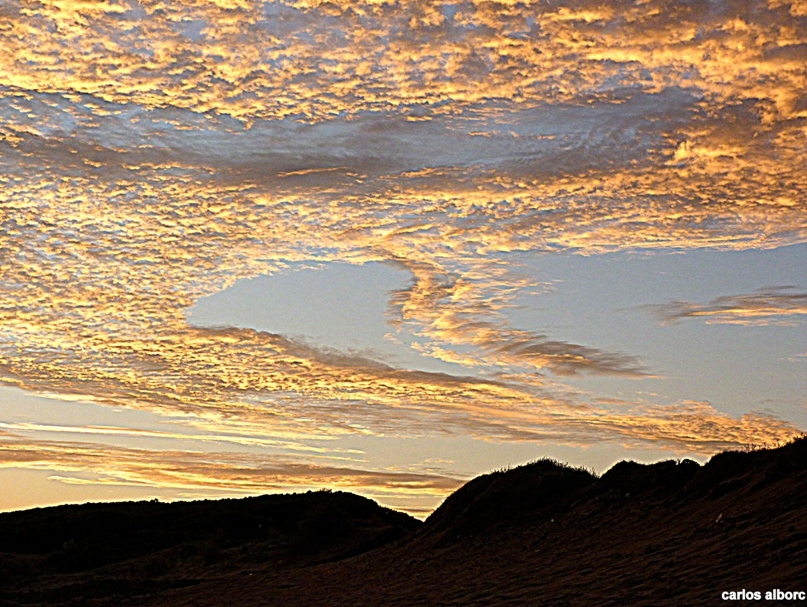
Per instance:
(251,246)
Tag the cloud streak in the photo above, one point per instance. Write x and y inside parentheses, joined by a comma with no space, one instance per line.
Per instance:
(235,473)
(766,306)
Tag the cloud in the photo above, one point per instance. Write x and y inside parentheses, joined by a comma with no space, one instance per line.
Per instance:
(453,310)
(188,436)
(213,472)
(688,427)
(766,306)
(153,154)
(265,59)
(410,405)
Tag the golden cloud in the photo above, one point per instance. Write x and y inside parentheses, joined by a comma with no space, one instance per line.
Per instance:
(772,305)
(152,154)
(214,472)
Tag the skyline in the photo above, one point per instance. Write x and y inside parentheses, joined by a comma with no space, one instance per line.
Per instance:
(383,247)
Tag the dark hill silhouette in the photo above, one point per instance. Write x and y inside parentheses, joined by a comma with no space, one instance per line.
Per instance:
(671,533)
(93,550)
(507,497)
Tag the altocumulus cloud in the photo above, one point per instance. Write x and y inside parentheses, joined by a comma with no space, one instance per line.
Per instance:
(152,154)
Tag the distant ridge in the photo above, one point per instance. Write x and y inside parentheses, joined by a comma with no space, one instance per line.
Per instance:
(666,534)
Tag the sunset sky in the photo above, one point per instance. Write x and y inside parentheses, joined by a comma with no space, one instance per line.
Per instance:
(253,246)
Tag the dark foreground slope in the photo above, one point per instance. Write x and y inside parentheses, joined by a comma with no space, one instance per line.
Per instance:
(672,533)
(105,554)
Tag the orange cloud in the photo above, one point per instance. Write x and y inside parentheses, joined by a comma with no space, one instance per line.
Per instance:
(772,305)
(214,472)
(152,154)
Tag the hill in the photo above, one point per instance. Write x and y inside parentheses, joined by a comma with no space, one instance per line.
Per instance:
(69,555)
(671,533)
